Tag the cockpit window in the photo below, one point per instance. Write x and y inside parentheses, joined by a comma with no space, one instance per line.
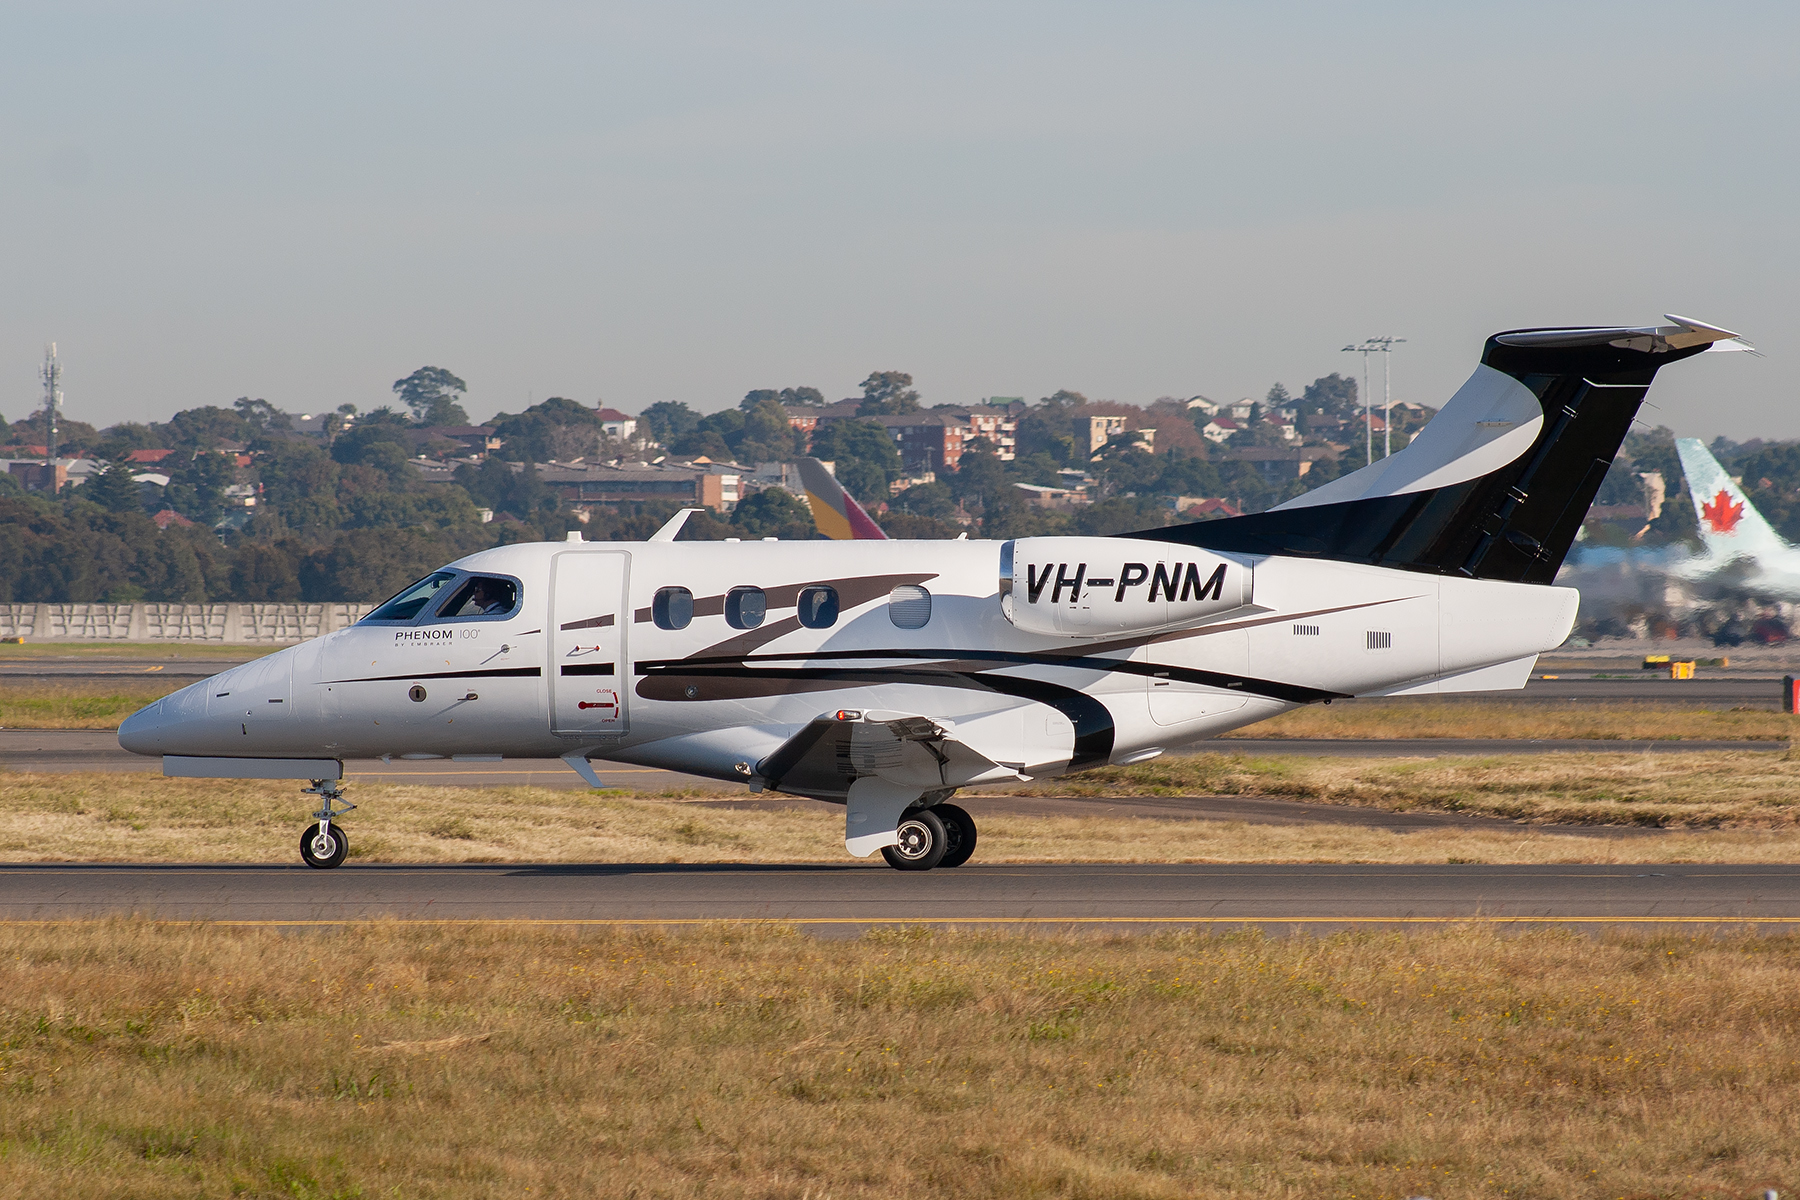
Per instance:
(412,600)
(482,596)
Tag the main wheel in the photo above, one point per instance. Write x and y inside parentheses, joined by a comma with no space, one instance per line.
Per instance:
(961,828)
(923,841)
(324,848)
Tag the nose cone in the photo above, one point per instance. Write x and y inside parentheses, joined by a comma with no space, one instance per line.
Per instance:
(162,726)
(138,733)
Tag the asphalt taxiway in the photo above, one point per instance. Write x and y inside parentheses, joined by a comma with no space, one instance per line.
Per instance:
(850,896)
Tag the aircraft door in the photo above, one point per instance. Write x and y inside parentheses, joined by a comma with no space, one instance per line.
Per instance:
(587,669)
(1174,701)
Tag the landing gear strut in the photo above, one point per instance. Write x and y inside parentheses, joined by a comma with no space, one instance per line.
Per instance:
(324,845)
(940,836)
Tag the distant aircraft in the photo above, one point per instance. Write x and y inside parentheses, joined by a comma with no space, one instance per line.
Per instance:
(1737,538)
(835,511)
(884,678)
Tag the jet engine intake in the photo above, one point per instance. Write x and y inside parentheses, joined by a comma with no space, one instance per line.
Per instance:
(1087,587)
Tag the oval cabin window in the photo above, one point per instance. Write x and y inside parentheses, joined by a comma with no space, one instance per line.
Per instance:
(818,607)
(673,608)
(745,607)
(909,606)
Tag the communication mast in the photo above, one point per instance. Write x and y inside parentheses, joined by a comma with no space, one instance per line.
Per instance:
(52,377)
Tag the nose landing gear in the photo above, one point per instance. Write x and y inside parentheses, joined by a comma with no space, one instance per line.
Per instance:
(324,845)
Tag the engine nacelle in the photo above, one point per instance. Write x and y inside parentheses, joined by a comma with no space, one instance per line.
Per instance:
(1091,587)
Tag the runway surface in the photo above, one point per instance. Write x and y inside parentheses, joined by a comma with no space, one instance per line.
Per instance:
(854,895)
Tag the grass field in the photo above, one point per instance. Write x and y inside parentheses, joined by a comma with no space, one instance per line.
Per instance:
(1743,789)
(81,704)
(185,651)
(141,1060)
(1719,808)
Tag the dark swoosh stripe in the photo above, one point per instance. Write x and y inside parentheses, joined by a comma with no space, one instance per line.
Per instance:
(493,673)
(590,623)
(951,660)
(589,669)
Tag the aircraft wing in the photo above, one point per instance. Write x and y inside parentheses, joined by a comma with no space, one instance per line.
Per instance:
(836,749)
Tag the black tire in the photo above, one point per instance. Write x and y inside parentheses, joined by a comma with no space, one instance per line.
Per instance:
(325,857)
(923,841)
(961,828)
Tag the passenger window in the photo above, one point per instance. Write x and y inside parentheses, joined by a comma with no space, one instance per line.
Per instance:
(673,608)
(745,607)
(482,596)
(909,606)
(818,607)
(412,601)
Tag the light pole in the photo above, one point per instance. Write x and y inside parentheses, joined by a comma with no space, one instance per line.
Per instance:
(1383,346)
(1387,392)
(1366,349)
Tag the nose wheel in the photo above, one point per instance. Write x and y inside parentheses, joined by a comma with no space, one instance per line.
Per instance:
(325,845)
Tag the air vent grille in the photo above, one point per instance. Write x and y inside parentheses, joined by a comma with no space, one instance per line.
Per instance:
(1378,639)
(1306,631)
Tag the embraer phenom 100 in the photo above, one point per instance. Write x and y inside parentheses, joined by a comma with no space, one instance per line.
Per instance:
(883,675)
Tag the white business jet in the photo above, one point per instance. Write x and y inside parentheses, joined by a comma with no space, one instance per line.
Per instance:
(884,675)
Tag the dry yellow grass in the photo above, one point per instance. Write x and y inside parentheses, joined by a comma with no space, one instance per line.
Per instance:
(1538,719)
(80,704)
(1737,789)
(149,1061)
(145,818)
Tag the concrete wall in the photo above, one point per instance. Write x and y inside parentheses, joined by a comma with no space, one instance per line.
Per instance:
(226,624)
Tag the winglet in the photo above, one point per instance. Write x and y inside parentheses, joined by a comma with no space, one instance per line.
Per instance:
(835,512)
(672,526)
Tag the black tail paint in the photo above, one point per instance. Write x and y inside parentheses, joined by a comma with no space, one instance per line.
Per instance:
(1516,523)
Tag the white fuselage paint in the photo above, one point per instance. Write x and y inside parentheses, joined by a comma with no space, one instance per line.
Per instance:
(731,696)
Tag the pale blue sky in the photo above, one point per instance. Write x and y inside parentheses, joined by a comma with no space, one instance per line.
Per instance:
(686,201)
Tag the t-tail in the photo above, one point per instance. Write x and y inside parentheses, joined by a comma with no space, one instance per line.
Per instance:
(835,511)
(1497,485)
(1730,526)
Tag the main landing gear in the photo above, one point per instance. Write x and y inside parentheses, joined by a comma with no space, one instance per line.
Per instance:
(940,836)
(324,845)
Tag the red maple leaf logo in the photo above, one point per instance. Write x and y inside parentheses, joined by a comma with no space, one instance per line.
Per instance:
(1721,513)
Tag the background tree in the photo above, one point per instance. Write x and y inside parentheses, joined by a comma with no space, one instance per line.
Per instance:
(667,420)
(556,429)
(774,512)
(432,394)
(197,487)
(113,489)
(887,394)
(260,415)
(864,455)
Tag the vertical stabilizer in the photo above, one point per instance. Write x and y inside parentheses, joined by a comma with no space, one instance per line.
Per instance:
(835,512)
(1729,524)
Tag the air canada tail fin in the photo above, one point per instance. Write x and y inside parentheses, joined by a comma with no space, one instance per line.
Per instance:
(1729,524)
(1497,484)
(835,511)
